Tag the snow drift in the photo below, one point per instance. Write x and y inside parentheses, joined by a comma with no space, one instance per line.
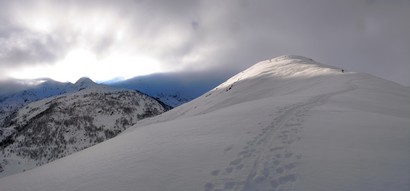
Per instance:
(287,123)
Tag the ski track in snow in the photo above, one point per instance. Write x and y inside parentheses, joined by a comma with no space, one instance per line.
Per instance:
(267,162)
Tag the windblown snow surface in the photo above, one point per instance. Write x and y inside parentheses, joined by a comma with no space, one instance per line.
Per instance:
(287,123)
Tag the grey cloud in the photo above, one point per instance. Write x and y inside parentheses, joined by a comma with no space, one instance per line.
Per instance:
(27,48)
(9,86)
(103,45)
(347,34)
(365,36)
(195,25)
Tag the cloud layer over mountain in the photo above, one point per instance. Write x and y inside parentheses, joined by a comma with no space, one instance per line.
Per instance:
(126,38)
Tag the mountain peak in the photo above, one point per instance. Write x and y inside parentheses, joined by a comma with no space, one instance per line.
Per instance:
(299,60)
(84,82)
(292,57)
(285,67)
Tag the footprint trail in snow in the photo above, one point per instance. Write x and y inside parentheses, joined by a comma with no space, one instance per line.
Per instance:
(267,162)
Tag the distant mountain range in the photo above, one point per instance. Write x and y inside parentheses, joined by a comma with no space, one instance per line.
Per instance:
(10,103)
(174,89)
(72,118)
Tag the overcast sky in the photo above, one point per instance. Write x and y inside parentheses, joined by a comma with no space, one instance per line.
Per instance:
(65,40)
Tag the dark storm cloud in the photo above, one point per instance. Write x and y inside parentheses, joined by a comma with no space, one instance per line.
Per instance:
(367,36)
(28,48)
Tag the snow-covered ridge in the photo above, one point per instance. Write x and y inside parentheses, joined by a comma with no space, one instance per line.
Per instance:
(289,124)
(278,76)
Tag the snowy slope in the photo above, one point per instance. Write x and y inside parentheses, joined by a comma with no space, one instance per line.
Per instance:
(284,124)
(55,127)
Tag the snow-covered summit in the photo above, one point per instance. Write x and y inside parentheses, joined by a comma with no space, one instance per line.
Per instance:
(287,66)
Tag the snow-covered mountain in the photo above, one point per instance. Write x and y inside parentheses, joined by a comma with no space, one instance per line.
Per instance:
(54,127)
(174,89)
(288,123)
(10,103)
